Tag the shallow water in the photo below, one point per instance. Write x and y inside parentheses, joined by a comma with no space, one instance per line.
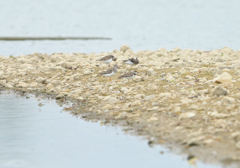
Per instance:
(33,136)
(141,24)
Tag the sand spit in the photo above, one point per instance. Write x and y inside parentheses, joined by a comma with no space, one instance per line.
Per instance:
(188,98)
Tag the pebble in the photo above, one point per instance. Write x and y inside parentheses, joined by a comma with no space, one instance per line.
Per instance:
(148,98)
(152,119)
(125,90)
(167,94)
(124,48)
(219,115)
(177,109)
(224,77)
(112,100)
(151,71)
(193,107)
(219,91)
(170,78)
(238,145)
(186,115)
(228,100)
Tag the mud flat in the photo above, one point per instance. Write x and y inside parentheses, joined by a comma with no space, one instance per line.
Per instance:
(185,99)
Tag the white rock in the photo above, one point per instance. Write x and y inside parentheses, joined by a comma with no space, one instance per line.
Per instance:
(67,65)
(124,81)
(219,60)
(151,71)
(190,77)
(177,109)
(195,140)
(122,115)
(185,101)
(186,115)
(224,77)
(202,92)
(217,72)
(235,135)
(152,119)
(167,94)
(49,86)
(170,78)
(238,145)
(112,100)
(87,72)
(182,71)
(124,48)
(8,85)
(228,100)
(22,85)
(3,82)
(124,90)
(40,79)
(176,49)
(139,96)
(219,115)
(149,97)
(193,107)
(80,98)
(33,85)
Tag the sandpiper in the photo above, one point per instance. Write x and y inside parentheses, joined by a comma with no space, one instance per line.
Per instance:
(107,59)
(110,72)
(131,61)
(129,75)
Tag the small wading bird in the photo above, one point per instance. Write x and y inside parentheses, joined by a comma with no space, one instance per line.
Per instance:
(131,61)
(128,75)
(110,72)
(108,59)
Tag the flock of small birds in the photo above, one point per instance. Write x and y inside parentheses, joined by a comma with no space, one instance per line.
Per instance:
(112,71)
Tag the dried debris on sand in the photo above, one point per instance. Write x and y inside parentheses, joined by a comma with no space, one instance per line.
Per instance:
(189,98)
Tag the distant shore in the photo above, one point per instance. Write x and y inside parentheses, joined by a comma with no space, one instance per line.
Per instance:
(187,98)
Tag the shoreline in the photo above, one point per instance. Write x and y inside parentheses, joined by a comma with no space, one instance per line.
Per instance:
(187,99)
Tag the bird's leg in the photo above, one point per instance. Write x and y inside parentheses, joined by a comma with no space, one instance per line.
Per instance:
(110,79)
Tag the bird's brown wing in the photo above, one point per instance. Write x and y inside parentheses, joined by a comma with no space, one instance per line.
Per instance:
(135,61)
(107,71)
(128,74)
(106,58)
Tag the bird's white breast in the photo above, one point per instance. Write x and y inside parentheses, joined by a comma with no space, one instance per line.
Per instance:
(129,62)
(111,74)
(107,61)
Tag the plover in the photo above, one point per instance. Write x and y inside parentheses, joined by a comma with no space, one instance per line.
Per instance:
(131,61)
(110,72)
(128,75)
(107,59)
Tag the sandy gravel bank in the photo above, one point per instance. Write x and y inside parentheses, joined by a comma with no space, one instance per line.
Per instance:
(189,98)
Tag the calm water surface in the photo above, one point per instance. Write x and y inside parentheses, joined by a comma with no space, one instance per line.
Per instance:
(43,137)
(141,24)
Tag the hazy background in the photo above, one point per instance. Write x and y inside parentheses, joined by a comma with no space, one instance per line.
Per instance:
(141,24)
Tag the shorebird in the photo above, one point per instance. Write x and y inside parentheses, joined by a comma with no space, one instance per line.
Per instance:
(128,75)
(110,72)
(131,61)
(107,59)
